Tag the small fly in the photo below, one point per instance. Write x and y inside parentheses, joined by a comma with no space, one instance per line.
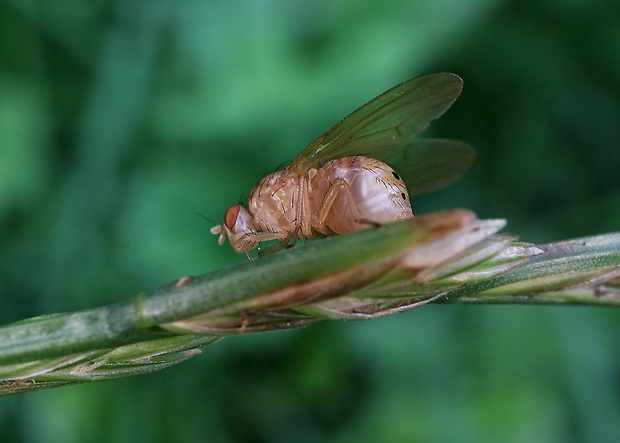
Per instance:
(342,181)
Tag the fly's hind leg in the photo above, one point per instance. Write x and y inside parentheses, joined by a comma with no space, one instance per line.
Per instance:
(338,187)
(303,217)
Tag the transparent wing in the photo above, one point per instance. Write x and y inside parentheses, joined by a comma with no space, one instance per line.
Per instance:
(427,165)
(385,124)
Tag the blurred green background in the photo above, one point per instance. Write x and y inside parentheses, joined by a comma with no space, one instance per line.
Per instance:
(122,123)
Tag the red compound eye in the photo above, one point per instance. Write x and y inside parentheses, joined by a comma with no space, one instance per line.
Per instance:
(231,216)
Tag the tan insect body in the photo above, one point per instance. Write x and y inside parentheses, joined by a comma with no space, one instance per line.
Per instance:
(342,196)
(342,181)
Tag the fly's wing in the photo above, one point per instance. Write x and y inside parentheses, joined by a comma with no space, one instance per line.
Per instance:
(427,165)
(385,124)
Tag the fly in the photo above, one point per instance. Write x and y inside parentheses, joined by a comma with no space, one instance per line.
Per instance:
(342,181)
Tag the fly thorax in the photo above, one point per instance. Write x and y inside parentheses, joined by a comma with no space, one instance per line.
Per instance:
(272,202)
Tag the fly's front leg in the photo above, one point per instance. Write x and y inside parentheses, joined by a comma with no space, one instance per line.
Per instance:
(282,245)
(252,239)
(268,236)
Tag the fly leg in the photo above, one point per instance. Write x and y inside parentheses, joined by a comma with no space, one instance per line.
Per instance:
(338,187)
(273,249)
(256,237)
(303,226)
